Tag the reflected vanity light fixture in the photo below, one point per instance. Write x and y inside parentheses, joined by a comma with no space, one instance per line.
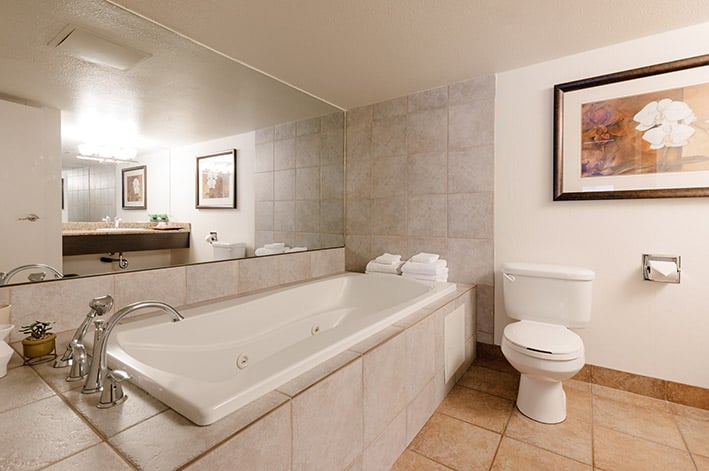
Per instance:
(107,154)
(106,160)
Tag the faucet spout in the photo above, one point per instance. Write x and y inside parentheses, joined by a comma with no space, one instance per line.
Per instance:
(5,277)
(99,364)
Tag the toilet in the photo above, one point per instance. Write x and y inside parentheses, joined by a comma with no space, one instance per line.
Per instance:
(545,300)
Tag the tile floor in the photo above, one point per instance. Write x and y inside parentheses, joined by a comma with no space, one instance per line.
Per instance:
(477,427)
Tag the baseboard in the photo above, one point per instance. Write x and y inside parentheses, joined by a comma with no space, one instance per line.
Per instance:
(671,391)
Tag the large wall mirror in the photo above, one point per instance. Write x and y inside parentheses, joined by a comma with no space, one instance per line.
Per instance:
(103,116)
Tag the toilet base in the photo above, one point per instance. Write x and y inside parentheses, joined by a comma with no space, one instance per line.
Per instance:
(541,399)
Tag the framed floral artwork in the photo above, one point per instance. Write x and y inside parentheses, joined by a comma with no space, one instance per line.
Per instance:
(134,187)
(641,133)
(216,181)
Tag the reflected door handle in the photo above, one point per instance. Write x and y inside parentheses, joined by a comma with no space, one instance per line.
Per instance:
(30,217)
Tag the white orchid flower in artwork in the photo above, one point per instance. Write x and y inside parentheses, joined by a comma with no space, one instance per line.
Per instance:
(668,135)
(665,111)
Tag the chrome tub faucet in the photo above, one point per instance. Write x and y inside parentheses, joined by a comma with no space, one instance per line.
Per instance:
(5,277)
(98,371)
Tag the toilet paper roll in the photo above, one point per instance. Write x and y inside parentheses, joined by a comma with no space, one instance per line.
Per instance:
(5,313)
(663,268)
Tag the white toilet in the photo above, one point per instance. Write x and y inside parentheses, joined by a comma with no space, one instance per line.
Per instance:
(546,299)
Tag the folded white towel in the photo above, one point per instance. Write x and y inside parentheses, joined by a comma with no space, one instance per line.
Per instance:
(296,249)
(441,275)
(424,268)
(388,259)
(374,267)
(275,246)
(264,251)
(424,257)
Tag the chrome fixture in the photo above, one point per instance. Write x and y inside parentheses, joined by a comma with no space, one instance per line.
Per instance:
(78,362)
(99,306)
(30,217)
(5,277)
(99,366)
(117,222)
(112,395)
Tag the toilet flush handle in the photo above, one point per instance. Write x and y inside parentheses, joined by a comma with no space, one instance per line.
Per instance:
(508,276)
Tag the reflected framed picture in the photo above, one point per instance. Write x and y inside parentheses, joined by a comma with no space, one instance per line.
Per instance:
(641,133)
(134,187)
(216,181)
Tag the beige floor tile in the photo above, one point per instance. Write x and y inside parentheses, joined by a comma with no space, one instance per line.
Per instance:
(477,408)
(618,451)
(695,433)
(571,438)
(490,381)
(412,461)
(496,365)
(702,462)
(629,398)
(651,423)
(578,400)
(455,443)
(514,455)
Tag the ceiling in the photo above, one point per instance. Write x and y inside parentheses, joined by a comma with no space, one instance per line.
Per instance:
(181,94)
(353,53)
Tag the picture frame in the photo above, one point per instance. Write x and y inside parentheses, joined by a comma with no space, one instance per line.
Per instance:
(216,181)
(640,133)
(134,187)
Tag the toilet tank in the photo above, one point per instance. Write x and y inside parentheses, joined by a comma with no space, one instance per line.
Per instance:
(555,294)
(228,250)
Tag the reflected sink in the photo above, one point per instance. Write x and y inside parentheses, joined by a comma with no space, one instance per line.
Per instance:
(120,229)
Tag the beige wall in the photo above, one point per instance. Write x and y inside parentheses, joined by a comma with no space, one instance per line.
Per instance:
(419,177)
(653,329)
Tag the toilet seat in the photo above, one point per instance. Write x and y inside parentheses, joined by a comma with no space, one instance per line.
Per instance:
(542,340)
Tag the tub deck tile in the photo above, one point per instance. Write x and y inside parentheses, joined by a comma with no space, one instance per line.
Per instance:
(377,339)
(310,377)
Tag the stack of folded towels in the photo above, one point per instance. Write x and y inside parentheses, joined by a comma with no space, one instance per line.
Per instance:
(386,263)
(276,248)
(426,266)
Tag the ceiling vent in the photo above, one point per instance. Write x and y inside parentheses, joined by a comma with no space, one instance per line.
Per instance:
(85,45)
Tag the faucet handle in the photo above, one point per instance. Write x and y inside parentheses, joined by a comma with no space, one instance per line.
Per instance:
(112,394)
(79,369)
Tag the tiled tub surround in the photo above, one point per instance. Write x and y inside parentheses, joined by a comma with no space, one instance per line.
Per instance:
(357,411)
(419,178)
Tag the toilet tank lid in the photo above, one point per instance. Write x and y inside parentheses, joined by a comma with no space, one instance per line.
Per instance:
(540,270)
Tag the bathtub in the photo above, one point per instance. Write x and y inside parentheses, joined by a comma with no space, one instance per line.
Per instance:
(227,354)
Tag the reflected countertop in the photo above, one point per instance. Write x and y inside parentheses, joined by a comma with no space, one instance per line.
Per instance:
(102,228)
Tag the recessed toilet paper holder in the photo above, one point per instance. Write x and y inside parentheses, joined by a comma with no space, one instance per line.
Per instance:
(662,268)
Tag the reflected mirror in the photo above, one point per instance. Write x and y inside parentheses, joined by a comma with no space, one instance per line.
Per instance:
(103,115)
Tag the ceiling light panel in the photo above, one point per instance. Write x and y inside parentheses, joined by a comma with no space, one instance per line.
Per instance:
(90,47)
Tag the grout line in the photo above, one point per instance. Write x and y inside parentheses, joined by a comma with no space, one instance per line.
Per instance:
(429,458)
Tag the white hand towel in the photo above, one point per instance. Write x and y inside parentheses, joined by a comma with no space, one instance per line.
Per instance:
(374,267)
(424,257)
(424,268)
(296,249)
(388,259)
(441,275)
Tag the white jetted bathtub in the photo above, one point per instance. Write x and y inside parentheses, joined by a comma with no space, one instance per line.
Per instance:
(226,354)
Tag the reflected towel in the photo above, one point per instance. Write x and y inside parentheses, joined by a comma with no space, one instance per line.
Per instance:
(296,249)
(264,251)
(275,246)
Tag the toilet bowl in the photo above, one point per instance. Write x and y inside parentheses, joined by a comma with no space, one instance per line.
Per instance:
(545,300)
(545,355)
